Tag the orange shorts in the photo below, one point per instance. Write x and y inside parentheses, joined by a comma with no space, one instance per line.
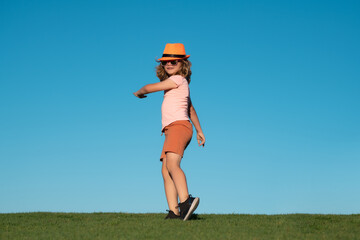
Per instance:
(178,135)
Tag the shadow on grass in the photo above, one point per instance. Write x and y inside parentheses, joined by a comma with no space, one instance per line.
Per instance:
(196,217)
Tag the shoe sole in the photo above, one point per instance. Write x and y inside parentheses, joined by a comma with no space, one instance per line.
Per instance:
(193,207)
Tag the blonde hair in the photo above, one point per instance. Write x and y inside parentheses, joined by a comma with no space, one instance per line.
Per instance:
(184,71)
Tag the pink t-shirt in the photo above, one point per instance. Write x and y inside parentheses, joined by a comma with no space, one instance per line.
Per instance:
(176,102)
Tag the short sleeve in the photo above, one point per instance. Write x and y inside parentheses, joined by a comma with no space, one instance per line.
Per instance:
(177,79)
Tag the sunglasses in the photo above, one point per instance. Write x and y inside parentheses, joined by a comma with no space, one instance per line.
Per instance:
(174,62)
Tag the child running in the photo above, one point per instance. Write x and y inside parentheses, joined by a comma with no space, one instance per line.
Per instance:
(176,111)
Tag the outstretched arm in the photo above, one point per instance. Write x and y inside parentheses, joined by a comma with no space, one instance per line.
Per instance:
(155,87)
(195,120)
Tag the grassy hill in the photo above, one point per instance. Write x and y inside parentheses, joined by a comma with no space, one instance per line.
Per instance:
(153,226)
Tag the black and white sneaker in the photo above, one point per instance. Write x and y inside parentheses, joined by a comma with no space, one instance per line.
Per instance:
(188,207)
(172,215)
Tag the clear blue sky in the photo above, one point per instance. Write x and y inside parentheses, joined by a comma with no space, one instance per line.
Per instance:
(275,83)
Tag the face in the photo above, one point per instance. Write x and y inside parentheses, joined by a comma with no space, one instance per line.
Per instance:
(170,68)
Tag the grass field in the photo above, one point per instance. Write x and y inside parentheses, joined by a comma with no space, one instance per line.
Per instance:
(153,226)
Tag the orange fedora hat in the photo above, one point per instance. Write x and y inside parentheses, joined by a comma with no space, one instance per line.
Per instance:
(174,51)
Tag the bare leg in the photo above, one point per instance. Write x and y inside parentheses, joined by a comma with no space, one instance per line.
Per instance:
(170,189)
(173,166)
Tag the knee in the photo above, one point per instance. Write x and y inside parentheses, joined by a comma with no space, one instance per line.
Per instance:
(171,167)
(165,173)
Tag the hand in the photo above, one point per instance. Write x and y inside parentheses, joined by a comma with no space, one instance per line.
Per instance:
(139,95)
(200,139)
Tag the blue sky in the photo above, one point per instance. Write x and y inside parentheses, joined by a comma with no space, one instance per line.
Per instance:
(275,83)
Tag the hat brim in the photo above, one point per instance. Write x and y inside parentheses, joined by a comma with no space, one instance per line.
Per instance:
(172,58)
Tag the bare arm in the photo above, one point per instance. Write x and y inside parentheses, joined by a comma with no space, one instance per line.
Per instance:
(155,87)
(195,120)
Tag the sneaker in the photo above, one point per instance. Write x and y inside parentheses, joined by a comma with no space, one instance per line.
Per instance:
(172,215)
(188,207)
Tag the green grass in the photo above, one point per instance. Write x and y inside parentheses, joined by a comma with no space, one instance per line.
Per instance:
(153,226)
